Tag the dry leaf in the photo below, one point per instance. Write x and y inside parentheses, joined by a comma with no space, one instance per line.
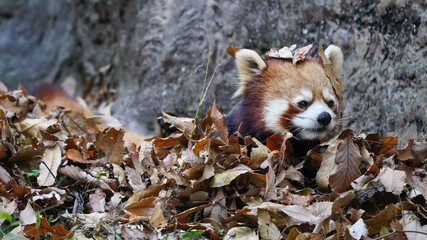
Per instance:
(157,217)
(241,233)
(189,211)
(406,152)
(8,207)
(327,65)
(97,200)
(134,179)
(119,173)
(200,145)
(270,187)
(32,127)
(225,178)
(77,124)
(76,155)
(327,166)
(389,143)
(218,122)
(57,232)
(49,166)
(383,218)
(284,52)
(310,236)
(393,180)
(342,200)
(267,229)
(258,155)
(301,53)
(348,159)
(28,215)
(112,144)
(144,208)
(183,124)
(358,230)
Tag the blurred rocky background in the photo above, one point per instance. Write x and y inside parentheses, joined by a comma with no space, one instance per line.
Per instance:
(154,47)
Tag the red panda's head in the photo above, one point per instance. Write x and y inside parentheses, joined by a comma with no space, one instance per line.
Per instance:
(296,97)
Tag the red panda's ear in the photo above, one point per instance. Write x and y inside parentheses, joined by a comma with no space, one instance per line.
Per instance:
(249,64)
(336,57)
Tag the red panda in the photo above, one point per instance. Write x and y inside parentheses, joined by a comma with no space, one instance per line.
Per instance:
(280,96)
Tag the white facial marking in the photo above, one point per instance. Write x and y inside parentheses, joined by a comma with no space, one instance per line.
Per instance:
(307,121)
(272,114)
(328,96)
(306,95)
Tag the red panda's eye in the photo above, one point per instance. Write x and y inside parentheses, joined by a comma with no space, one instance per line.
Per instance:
(303,104)
(331,103)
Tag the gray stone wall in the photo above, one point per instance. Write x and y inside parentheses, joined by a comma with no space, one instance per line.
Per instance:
(154,46)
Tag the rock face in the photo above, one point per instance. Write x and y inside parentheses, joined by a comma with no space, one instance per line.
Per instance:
(155,48)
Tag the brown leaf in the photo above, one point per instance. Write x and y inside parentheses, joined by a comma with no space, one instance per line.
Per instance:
(348,159)
(328,165)
(183,124)
(342,200)
(267,229)
(383,218)
(134,179)
(217,212)
(225,178)
(32,127)
(75,173)
(200,145)
(327,65)
(77,124)
(389,143)
(119,173)
(144,208)
(310,236)
(301,53)
(112,144)
(76,155)
(57,231)
(218,122)
(258,155)
(189,211)
(97,200)
(270,187)
(148,192)
(157,218)
(406,153)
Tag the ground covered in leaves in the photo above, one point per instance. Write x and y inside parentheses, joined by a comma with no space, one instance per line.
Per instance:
(67,176)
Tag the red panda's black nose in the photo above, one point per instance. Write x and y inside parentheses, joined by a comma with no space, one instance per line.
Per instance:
(324,118)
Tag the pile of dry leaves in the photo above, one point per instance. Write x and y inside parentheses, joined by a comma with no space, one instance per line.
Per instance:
(63,176)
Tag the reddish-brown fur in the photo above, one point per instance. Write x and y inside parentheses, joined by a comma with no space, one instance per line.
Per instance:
(279,79)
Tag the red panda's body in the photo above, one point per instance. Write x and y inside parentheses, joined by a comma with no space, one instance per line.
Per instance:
(280,96)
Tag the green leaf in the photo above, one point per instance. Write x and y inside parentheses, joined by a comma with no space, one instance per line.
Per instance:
(38,221)
(7,216)
(192,234)
(34,173)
